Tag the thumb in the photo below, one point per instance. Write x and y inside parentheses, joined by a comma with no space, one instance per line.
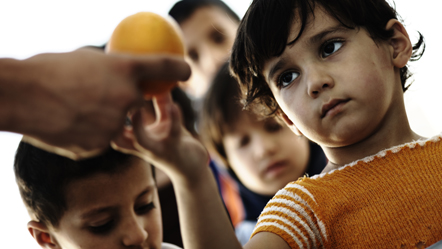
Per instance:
(139,131)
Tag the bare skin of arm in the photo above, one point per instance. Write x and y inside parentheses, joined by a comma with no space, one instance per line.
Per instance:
(74,103)
(165,143)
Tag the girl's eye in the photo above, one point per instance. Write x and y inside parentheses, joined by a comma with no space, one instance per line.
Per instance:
(286,78)
(331,47)
(145,208)
(104,228)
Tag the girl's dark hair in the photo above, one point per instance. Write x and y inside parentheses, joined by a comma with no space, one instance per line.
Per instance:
(265,28)
(184,9)
(220,111)
(42,178)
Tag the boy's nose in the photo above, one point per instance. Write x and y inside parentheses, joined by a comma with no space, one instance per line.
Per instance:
(133,232)
(318,80)
(264,146)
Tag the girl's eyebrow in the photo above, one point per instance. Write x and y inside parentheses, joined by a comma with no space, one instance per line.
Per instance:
(280,64)
(334,29)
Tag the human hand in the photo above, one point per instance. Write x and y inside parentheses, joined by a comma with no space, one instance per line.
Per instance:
(74,103)
(158,136)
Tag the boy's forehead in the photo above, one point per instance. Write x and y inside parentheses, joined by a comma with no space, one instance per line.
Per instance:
(102,187)
(244,120)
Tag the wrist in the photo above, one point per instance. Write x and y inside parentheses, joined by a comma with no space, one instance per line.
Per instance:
(194,176)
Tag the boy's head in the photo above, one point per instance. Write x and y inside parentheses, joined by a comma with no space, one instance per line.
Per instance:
(109,201)
(263,153)
(209,28)
(266,32)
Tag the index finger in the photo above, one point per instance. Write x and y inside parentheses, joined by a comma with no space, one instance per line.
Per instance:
(161,67)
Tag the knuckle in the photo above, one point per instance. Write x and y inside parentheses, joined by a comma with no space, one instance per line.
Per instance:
(166,63)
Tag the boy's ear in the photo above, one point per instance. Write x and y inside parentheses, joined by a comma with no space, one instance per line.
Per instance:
(289,123)
(400,43)
(41,234)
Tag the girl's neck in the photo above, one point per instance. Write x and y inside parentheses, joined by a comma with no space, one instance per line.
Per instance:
(401,133)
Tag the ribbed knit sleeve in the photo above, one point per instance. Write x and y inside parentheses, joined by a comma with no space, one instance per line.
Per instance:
(291,214)
(389,200)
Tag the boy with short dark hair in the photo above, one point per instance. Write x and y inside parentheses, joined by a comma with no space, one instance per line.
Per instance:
(334,71)
(109,201)
(261,155)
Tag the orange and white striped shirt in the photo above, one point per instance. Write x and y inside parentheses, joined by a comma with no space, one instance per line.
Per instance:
(390,200)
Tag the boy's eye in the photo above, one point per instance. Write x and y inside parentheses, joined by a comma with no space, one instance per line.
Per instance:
(193,54)
(244,141)
(331,47)
(217,37)
(272,126)
(286,78)
(143,209)
(103,228)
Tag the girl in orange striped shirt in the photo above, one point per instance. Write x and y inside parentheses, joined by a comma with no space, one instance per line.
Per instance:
(334,71)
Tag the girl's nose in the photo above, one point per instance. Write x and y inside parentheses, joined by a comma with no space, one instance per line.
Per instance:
(318,80)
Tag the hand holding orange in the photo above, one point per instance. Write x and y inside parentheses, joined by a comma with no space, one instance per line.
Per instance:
(148,33)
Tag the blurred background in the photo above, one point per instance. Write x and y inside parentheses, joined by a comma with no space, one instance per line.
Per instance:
(29,27)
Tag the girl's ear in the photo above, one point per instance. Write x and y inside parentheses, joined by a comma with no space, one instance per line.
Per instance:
(400,43)
(41,234)
(289,123)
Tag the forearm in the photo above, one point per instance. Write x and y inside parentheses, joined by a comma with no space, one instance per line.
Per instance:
(13,84)
(27,96)
(203,218)
(166,144)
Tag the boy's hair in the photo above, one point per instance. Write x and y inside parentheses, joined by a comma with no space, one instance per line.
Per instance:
(221,110)
(265,28)
(184,9)
(188,113)
(42,178)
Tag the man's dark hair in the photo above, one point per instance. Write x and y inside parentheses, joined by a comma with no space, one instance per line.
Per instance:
(42,178)
(265,28)
(184,9)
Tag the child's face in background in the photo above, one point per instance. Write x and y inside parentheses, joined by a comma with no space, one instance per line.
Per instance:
(112,211)
(335,84)
(265,155)
(209,34)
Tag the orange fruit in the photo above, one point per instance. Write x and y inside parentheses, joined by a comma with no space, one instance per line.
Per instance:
(148,33)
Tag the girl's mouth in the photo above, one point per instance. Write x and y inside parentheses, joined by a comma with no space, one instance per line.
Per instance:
(333,107)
